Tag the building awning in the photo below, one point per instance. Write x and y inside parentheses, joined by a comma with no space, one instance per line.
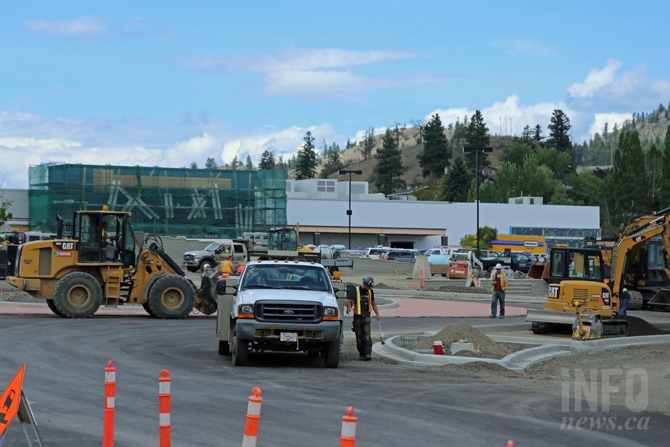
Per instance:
(369,230)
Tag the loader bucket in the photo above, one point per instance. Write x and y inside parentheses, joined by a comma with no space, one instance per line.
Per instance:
(660,300)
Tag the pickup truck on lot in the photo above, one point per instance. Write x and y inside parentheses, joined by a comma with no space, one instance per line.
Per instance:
(279,306)
(515,261)
(213,253)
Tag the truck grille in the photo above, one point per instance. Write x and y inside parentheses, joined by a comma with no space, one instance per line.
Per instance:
(288,312)
(188,257)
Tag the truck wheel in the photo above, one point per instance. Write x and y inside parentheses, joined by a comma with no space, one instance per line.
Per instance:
(77,295)
(148,309)
(205,265)
(332,356)
(224,348)
(171,297)
(240,351)
(53,308)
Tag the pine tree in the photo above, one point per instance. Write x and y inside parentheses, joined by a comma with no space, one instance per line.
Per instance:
(249,165)
(559,132)
(537,137)
(630,179)
(194,165)
(235,162)
(389,166)
(210,164)
(307,160)
(333,164)
(436,154)
(664,190)
(477,135)
(457,183)
(654,163)
(267,161)
(368,143)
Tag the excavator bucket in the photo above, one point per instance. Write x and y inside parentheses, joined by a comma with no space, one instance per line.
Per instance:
(538,270)
(661,300)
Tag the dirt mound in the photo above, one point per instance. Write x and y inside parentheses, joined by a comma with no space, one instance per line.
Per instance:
(638,326)
(462,330)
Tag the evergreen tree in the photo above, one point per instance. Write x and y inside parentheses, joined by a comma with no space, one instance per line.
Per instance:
(477,135)
(654,161)
(454,187)
(194,165)
(537,136)
(368,143)
(235,162)
(333,164)
(307,159)
(559,132)
(267,161)
(210,164)
(630,179)
(249,165)
(664,190)
(436,154)
(389,166)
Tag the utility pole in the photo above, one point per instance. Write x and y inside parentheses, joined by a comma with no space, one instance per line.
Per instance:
(477,150)
(349,212)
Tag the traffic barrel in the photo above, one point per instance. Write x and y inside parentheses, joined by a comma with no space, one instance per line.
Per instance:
(253,419)
(510,443)
(164,408)
(110,393)
(348,436)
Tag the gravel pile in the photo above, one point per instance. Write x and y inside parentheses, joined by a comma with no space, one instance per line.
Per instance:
(462,330)
(638,326)
(10,293)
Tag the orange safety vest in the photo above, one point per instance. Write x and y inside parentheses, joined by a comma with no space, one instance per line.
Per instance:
(357,309)
(226,267)
(503,281)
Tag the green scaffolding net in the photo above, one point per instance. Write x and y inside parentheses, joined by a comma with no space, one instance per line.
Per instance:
(207,203)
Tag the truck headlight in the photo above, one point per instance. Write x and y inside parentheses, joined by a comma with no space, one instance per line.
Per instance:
(330,313)
(245,311)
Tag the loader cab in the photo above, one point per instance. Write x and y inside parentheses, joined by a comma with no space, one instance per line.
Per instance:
(576,264)
(104,237)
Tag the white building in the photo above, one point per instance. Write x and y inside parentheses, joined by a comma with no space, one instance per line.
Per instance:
(320,206)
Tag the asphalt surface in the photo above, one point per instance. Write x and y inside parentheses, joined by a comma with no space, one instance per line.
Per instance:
(303,402)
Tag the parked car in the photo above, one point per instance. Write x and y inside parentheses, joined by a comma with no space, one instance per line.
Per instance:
(358,251)
(375,252)
(399,255)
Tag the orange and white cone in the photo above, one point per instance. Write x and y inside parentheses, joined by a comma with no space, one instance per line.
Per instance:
(348,436)
(253,419)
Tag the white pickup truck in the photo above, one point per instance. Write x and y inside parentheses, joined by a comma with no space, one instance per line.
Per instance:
(280,306)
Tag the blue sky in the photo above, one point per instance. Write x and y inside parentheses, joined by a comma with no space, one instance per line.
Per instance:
(167,83)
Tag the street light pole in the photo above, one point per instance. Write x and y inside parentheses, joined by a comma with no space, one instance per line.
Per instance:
(349,212)
(477,150)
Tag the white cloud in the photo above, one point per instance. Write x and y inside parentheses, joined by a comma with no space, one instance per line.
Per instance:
(284,142)
(527,47)
(595,80)
(508,117)
(80,27)
(611,119)
(307,72)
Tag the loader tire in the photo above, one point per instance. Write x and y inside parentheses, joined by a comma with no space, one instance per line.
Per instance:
(148,309)
(171,297)
(77,295)
(53,308)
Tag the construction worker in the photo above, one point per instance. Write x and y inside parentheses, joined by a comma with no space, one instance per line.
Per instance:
(362,300)
(625,298)
(498,285)
(226,266)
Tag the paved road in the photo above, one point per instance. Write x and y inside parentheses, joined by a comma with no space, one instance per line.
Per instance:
(303,402)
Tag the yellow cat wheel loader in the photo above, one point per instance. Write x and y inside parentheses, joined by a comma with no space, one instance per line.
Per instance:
(101,266)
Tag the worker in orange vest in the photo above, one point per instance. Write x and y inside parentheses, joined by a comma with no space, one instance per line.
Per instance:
(226,266)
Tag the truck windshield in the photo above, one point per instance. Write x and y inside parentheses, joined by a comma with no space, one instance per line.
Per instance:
(286,276)
(212,247)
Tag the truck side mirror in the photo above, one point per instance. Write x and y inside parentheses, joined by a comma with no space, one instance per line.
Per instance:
(221,287)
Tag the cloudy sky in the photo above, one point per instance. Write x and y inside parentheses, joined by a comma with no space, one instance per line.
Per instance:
(168,83)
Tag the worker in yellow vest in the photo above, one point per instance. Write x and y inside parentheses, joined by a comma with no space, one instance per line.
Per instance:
(226,266)
(362,300)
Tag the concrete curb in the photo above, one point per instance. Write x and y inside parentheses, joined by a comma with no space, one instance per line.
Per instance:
(453,296)
(521,361)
